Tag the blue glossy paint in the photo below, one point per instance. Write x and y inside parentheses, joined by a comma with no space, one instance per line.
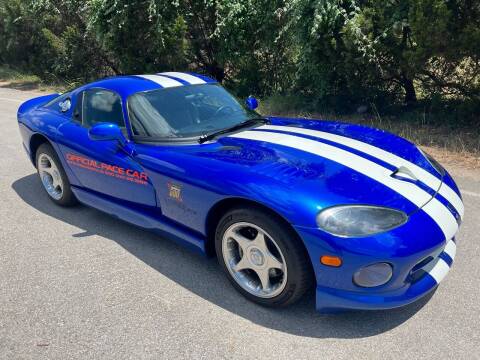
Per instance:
(251,103)
(132,182)
(107,132)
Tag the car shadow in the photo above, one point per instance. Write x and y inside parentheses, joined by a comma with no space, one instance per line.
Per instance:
(204,276)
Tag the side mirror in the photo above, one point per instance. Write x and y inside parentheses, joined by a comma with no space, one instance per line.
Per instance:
(251,103)
(106,132)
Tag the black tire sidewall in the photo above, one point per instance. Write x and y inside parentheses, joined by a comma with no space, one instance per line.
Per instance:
(68,198)
(286,241)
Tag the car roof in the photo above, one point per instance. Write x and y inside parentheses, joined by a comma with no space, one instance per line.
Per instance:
(130,84)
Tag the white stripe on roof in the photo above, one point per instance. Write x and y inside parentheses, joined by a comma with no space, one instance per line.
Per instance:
(163,81)
(191,79)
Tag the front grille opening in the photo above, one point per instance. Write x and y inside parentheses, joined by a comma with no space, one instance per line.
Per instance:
(417,271)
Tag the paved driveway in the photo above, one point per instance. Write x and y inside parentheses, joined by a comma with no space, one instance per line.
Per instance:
(75,283)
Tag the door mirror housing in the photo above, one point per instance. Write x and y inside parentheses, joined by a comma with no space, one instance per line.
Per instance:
(251,103)
(107,132)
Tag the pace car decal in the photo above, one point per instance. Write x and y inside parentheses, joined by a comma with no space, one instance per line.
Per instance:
(432,206)
(108,170)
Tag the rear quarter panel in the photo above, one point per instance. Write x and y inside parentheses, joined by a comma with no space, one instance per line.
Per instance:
(34,119)
(31,121)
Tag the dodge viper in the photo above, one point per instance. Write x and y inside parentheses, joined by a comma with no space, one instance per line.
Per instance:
(361,215)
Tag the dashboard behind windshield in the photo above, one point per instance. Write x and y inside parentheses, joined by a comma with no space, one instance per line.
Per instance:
(184,112)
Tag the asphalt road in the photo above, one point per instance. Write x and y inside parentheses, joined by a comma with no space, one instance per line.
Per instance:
(75,283)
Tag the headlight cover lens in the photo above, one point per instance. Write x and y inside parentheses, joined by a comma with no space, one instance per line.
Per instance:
(435,164)
(359,220)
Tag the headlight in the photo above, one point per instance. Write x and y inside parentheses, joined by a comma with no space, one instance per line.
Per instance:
(435,164)
(359,220)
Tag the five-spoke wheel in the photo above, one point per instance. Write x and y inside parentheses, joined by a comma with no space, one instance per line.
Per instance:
(254,259)
(262,256)
(50,176)
(53,177)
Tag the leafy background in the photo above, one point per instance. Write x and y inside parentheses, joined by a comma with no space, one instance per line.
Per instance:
(407,60)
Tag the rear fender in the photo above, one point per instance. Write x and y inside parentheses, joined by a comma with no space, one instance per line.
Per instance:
(34,103)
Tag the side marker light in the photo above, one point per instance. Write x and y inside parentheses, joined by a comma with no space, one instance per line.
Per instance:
(329,260)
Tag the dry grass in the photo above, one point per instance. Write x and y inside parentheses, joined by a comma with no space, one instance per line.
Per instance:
(14,79)
(450,145)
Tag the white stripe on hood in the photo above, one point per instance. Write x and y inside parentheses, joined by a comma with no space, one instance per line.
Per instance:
(434,208)
(421,174)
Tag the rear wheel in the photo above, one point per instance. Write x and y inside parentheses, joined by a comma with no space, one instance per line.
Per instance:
(262,257)
(53,177)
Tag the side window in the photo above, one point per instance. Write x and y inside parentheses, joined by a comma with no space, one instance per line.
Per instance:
(100,105)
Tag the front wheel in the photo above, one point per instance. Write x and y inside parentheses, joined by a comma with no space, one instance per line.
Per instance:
(262,257)
(53,177)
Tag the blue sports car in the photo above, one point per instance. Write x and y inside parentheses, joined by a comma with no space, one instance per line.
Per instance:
(360,214)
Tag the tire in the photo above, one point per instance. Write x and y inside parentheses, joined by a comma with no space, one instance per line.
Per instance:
(53,177)
(248,263)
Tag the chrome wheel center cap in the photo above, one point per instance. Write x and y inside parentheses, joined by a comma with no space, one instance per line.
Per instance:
(256,257)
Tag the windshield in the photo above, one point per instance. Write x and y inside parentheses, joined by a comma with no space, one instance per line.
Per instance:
(185,112)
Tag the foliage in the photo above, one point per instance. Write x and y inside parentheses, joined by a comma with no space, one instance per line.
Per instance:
(144,36)
(324,55)
(426,45)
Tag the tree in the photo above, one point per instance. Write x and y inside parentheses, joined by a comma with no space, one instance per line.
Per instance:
(258,51)
(144,35)
(205,49)
(431,42)
(328,68)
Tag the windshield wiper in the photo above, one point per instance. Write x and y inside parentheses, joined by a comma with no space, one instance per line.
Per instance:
(246,123)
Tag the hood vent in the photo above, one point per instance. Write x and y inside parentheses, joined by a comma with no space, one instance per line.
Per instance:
(404,173)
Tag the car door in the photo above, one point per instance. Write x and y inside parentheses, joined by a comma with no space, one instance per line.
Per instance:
(103,166)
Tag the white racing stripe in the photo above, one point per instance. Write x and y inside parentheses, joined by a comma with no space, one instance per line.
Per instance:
(192,80)
(439,271)
(451,249)
(442,216)
(436,210)
(162,80)
(424,176)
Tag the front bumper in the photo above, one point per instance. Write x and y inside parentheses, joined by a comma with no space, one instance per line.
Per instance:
(427,278)
(417,252)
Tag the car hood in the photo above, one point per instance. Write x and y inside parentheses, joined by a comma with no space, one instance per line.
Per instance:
(298,167)
(354,164)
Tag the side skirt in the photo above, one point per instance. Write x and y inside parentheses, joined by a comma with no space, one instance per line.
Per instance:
(142,219)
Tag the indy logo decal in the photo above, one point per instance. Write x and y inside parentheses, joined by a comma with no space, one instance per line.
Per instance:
(108,170)
(175,191)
